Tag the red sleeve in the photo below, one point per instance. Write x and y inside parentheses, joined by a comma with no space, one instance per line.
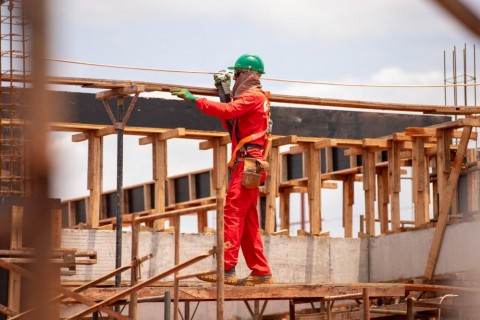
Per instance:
(229,110)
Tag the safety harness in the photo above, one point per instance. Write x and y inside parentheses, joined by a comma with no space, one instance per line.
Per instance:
(224,94)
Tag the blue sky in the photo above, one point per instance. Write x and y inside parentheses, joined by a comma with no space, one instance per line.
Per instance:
(345,41)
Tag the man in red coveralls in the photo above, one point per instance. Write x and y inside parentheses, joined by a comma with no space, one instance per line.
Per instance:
(247,118)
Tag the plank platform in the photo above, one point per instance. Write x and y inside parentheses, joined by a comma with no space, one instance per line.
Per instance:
(207,292)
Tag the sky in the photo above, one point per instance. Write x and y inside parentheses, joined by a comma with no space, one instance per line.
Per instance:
(399,42)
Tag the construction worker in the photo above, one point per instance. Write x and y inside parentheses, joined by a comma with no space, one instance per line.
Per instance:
(247,117)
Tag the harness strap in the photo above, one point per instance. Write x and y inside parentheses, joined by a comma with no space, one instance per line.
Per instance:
(267,133)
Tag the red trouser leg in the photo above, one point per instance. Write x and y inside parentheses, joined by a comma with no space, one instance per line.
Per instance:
(241,225)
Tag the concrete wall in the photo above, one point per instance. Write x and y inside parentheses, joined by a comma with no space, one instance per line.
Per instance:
(295,259)
(404,255)
(292,259)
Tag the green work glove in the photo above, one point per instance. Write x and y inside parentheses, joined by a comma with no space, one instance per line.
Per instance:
(222,76)
(184,94)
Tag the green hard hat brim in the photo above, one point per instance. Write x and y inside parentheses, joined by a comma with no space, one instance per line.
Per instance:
(233,68)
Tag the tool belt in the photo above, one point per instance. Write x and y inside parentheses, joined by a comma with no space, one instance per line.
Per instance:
(252,171)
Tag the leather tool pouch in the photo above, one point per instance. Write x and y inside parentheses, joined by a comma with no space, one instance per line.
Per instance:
(252,172)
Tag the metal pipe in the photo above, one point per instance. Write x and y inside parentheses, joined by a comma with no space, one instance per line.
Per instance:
(167,306)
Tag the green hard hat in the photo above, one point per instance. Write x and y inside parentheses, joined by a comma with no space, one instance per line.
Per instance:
(249,61)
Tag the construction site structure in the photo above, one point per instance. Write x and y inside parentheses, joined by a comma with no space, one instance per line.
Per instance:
(383,273)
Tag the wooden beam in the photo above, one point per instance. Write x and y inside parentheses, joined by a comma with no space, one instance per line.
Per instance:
(168,134)
(281,141)
(446,203)
(119,92)
(209,144)
(98,133)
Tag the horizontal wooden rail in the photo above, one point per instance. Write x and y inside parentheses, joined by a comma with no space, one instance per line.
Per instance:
(354,104)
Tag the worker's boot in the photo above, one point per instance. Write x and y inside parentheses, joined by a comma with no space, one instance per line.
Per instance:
(253,280)
(229,277)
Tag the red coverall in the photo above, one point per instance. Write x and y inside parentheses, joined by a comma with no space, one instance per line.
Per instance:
(249,112)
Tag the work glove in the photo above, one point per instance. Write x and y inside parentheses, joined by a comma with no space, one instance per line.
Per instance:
(222,76)
(184,94)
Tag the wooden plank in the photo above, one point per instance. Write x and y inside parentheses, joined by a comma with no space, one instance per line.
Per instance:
(276,291)
(445,204)
(94,178)
(119,92)
(168,134)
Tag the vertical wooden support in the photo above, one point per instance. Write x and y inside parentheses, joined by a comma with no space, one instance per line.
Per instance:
(16,239)
(366,304)
(473,182)
(202,221)
(348,201)
(446,202)
(94,180)
(176,289)
(369,188)
(314,188)
(159,153)
(444,139)
(132,307)
(394,186)
(435,197)
(382,180)
(219,180)
(285,209)
(272,189)
(420,179)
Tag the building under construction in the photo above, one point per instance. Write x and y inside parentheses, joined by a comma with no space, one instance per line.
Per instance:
(120,253)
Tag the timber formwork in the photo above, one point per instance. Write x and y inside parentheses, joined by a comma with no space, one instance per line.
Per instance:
(415,147)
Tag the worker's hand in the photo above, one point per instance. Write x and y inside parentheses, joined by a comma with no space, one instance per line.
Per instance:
(222,76)
(184,94)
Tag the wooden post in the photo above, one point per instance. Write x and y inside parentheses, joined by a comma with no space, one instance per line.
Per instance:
(272,189)
(382,180)
(159,153)
(394,186)
(16,242)
(94,179)
(366,304)
(369,188)
(444,138)
(446,202)
(176,289)
(219,180)
(202,221)
(314,188)
(285,208)
(419,179)
(132,307)
(348,201)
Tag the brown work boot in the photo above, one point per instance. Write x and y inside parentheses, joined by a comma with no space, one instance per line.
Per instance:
(253,280)
(229,277)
